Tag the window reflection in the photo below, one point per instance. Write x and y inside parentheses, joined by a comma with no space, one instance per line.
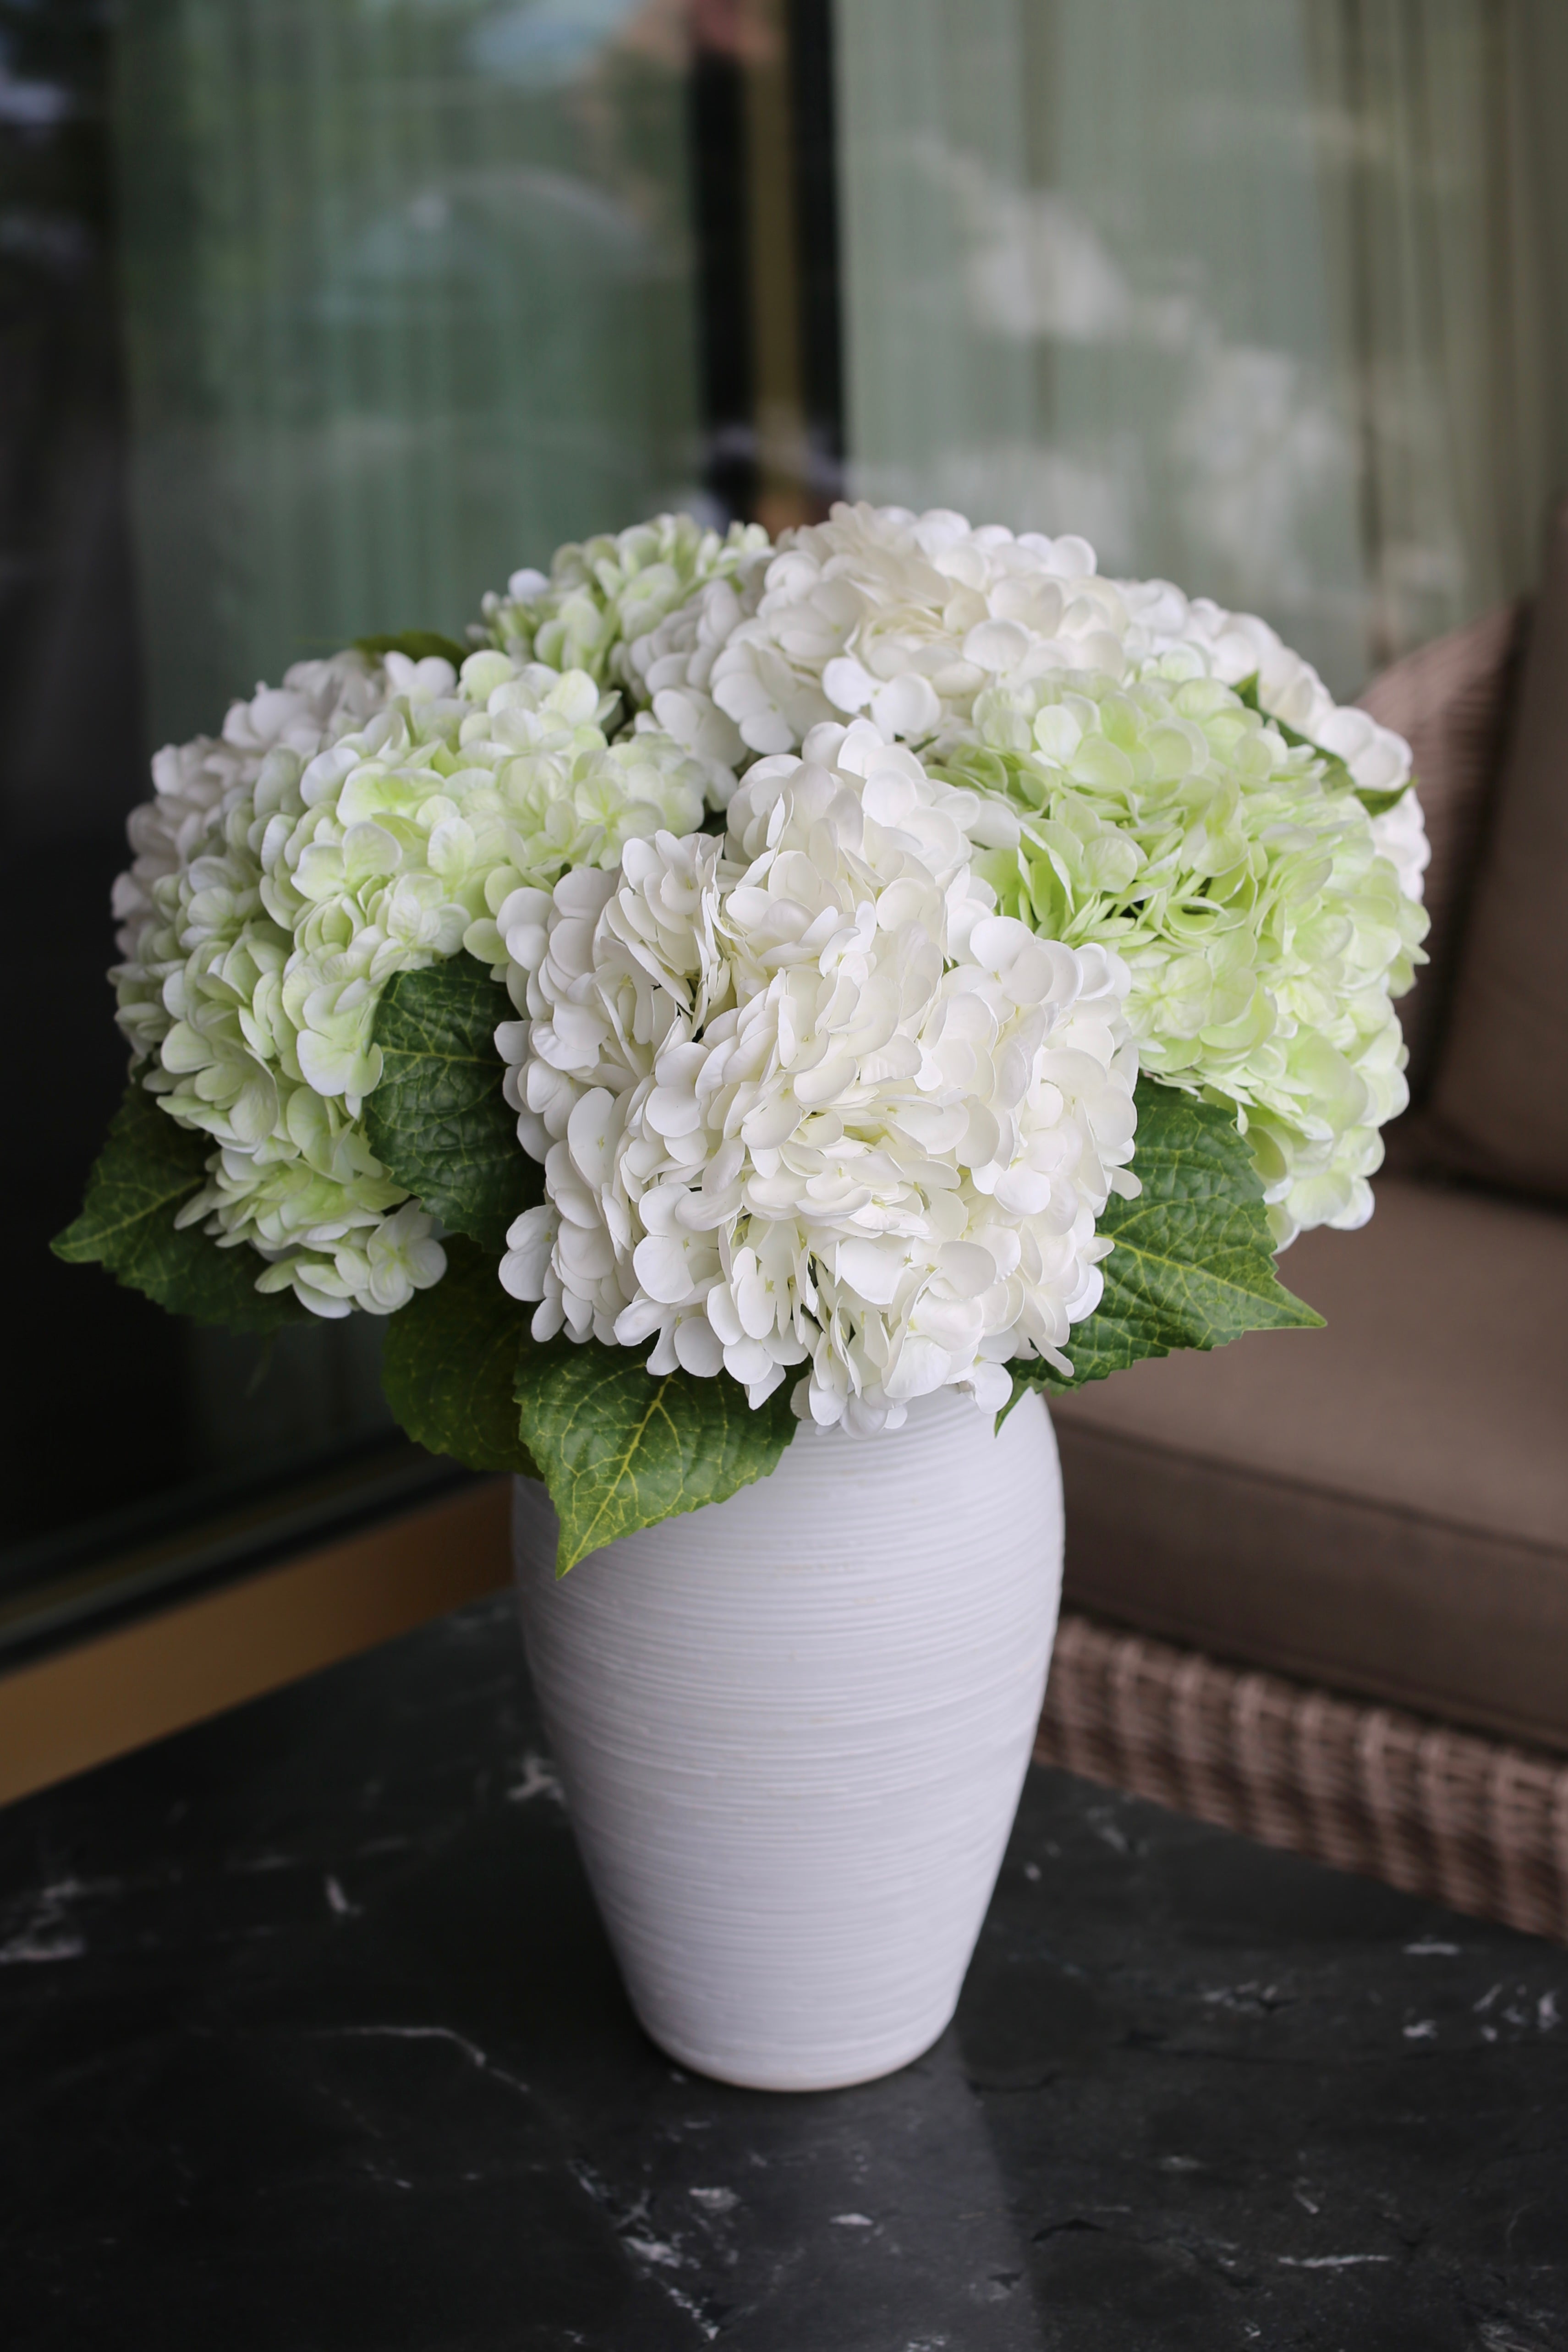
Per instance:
(321,316)
(1257,294)
(409,300)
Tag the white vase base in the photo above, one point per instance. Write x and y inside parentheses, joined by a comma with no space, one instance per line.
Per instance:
(822,2072)
(791,1730)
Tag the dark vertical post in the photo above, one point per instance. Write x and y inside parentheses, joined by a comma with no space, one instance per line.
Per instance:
(765,182)
(721,212)
(816,214)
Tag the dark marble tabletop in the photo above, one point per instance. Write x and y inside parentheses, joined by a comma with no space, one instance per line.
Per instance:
(311,2041)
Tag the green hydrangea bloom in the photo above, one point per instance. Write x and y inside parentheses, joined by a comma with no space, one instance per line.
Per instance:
(1265,933)
(601,595)
(376,832)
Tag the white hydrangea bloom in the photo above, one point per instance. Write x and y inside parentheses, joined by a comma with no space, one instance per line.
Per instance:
(1264,930)
(602,594)
(317,701)
(909,618)
(373,831)
(1400,834)
(803,1098)
(673,667)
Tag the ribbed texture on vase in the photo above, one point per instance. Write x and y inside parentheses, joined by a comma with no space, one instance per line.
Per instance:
(793,1728)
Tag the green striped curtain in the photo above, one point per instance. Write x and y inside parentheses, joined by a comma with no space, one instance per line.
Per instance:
(1266,295)
(408,287)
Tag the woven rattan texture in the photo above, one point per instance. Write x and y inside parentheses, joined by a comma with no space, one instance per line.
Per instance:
(1449,1814)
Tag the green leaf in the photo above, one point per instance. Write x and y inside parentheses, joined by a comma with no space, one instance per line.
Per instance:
(1194,1261)
(621,1447)
(1339,777)
(148,1166)
(438,1120)
(1379,803)
(449,1360)
(417,643)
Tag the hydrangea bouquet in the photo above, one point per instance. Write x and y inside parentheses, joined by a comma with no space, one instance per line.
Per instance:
(759,984)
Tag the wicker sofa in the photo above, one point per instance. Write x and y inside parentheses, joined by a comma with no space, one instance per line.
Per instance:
(1317,1584)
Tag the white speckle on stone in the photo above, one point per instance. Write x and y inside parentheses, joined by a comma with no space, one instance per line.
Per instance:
(852,2222)
(714,2200)
(653,2250)
(41,1949)
(1327,2262)
(539,1779)
(1424,2030)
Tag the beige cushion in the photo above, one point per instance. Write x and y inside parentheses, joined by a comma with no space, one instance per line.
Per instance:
(1500,1099)
(1381,1505)
(1451,700)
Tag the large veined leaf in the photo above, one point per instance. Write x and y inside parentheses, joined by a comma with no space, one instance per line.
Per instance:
(449,1361)
(438,1120)
(148,1168)
(1194,1261)
(621,1448)
(1339,777)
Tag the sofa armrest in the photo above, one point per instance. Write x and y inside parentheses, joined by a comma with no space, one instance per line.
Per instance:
(1452,700)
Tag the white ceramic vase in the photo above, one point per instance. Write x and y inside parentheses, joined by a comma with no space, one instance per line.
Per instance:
(793,1728)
